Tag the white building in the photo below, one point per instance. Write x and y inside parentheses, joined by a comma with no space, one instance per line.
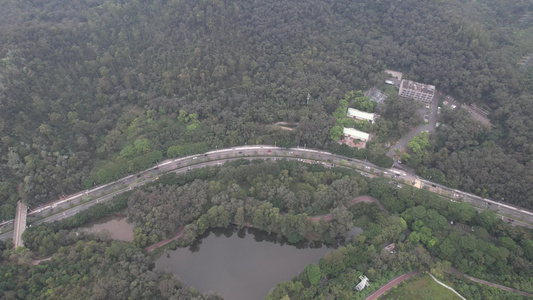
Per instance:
(361,115)
(418,91)
(356,134)
(364,283)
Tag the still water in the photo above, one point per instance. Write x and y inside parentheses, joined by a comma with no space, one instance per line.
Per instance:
(117,227)
(239,265)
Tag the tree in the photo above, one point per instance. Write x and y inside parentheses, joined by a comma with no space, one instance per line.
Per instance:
(313,274)
(340,223)
(487,219)
(419,147)
(239,218)
(335,133)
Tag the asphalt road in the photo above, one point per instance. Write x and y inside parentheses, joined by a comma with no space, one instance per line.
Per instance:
(429,127)
(77,202)
(20,223)
(390,285)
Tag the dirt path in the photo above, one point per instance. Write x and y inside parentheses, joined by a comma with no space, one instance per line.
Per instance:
(390,285)
(164,242)
(352,202)
(505,288)
(36,262)
(314,219)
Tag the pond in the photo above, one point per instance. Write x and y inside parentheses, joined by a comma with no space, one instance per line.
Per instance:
(240,264)
(116,225)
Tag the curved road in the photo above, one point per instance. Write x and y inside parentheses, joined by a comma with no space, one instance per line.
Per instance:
(455,271)
(390,285)
(84,199)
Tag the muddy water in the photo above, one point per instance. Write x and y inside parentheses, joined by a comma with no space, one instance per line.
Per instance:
(240,265)
(117,227)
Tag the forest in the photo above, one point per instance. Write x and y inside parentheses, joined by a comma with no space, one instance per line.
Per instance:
(92,90)
(280,198)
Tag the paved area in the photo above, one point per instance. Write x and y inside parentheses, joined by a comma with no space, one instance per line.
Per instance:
(429,127)
(77,202)
(20,224)
(391,284)
(396,74)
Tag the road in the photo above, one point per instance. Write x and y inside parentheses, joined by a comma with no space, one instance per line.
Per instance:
(77,202)
(390,285)
(327,217)
(453,270)
(429,127)
(20,224)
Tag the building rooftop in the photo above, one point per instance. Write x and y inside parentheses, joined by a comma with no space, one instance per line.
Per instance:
(356,134)
(352,112)
(418,87)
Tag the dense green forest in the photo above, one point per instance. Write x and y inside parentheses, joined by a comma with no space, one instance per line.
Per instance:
(278,197)
(90,90)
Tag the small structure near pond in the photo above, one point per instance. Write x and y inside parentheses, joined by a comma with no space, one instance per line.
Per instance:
(363,284)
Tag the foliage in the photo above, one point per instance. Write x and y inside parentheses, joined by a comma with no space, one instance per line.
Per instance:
(421,288)
(97,270)
(312,272)
(398,117)
(419,150)
(274,197)
(335,133)
(358,101)
(47,238)
(178,73)
(185,149)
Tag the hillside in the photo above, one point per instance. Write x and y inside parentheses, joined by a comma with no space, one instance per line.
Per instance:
(92,90)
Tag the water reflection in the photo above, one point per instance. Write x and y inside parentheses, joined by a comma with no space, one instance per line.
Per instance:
(240,264)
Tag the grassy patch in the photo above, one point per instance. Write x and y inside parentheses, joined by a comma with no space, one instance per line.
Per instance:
(422,288)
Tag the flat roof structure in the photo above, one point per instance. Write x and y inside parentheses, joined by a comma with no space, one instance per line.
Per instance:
(356,134)
(416,90)
(360,115)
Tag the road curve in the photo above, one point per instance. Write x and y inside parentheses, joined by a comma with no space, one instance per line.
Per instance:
(455,271)
(391,284)
(218,157)
(352,202)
